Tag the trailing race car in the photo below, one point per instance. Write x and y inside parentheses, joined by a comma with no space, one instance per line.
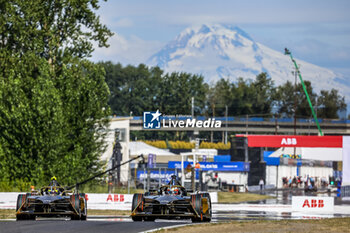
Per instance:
(171,202)
(51,201)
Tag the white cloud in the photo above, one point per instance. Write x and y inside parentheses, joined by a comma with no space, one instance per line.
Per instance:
(126,50)
(124,22)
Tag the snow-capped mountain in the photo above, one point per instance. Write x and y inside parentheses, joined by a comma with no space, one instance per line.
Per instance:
(221,51)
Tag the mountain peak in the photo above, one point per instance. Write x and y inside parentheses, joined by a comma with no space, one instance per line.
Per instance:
(226,51)
(219,29)
(222,38)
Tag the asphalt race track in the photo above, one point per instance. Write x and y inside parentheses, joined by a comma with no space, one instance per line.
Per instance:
(125,224)
(270,209)
(91,226)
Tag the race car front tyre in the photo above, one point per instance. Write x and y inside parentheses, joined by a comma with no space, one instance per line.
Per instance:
(207,216)
(196,200)
(75,201)
(137,202)
(84,209)
(21,198)
(137,206)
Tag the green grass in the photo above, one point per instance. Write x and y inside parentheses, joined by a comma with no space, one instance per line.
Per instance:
(302,226)
(7,214)
(228,197)
(109,212)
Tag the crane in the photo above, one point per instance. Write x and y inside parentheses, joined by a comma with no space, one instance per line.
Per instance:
(287,52)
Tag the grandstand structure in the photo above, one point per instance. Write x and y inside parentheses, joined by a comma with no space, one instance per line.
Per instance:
(260,125)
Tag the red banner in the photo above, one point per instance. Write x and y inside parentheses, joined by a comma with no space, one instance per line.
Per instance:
(294,141)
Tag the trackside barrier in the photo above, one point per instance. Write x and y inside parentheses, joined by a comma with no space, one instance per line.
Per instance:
(256,188)
(312,204)
(8,200)
(101,201)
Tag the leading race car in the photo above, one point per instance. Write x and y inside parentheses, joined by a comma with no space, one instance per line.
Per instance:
(171,202)
(51,201)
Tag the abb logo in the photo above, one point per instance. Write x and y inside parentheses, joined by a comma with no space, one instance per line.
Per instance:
(289,141)
(116,198)
(313,203)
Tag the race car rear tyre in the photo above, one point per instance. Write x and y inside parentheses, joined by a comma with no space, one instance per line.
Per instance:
(149,219)
(136,219)
(20,217)
(208,215)
(75,200)
(21,198)
(197,205)
(137,206)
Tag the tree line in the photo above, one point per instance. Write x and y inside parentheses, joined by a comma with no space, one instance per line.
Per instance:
(135,89)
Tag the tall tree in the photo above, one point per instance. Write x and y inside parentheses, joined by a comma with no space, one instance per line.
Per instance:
(243,97)
(289,97)
(264,92)
(177,90)
(139,89)
(219,96)
(133,89)
(31,121)
(284,97)
(329,103)
(52,101)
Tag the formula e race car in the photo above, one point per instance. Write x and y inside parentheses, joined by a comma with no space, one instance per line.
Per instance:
(51,201)
(171,202)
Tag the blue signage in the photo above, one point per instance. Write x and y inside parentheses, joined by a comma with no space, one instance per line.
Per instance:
(151,161)
(165,176)
(215,166)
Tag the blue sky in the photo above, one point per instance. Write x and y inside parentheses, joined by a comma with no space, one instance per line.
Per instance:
(317,31)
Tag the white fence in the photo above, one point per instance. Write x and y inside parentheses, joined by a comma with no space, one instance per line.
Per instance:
(102,201)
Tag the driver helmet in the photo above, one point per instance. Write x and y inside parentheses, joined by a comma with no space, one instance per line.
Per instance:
(53,180)
(52,192)
(175,190)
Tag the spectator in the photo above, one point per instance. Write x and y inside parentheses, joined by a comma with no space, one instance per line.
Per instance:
(285,182)
(261,183)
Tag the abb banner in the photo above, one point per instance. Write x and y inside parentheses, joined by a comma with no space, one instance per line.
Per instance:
(94,200)
(313,204)
(109,201)
(294,141)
